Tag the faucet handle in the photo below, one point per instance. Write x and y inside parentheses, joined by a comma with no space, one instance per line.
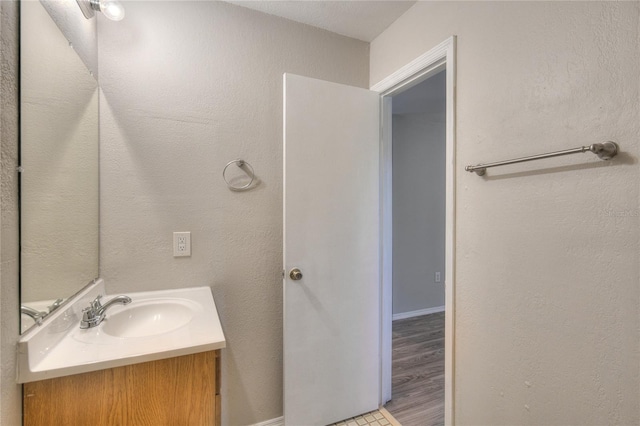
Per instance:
(91,316)
(91,312)
(96,305)
(88,313)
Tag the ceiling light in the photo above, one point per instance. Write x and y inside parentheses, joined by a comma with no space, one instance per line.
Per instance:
(112,9)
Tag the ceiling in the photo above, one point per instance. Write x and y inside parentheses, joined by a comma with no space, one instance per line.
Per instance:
(360,19)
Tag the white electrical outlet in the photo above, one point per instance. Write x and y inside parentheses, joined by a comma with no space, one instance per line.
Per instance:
(181,244)
(438,278)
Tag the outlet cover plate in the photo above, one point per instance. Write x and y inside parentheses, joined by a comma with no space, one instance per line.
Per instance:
(181,244)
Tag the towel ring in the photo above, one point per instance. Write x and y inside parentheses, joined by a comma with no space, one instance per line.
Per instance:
(240,163)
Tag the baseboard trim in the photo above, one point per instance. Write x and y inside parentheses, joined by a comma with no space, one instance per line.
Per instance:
(278,421)
(389,417)
(418,313)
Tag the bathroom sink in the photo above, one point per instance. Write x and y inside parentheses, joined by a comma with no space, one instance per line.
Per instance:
(155,325)
(149,318)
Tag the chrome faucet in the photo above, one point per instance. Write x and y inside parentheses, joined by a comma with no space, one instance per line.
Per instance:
(36,315)
(94,314)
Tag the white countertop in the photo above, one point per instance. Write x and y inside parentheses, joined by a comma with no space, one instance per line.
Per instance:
(60,348)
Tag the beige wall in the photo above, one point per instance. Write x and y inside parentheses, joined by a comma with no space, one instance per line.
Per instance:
(547,286)
(10,392)
(187,87)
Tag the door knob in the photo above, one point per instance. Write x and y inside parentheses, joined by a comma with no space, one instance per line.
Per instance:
(295,274)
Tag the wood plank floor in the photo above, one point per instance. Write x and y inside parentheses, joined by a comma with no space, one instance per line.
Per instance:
(418,371)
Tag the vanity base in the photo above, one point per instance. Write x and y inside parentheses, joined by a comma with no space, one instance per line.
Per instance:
(183,390)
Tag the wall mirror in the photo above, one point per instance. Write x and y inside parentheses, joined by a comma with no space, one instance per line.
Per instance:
(59,192)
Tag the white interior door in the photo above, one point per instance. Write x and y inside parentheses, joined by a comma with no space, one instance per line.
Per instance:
(331,233)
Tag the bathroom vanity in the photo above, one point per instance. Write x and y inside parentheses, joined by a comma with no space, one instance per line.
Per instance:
(183,390)
(154,361)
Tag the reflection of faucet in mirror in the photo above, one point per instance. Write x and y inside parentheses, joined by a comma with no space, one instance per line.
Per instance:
(37,315)
(94,314)
(33,313)
(55,305)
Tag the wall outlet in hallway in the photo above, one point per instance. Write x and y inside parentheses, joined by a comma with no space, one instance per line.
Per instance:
(438,277)
(181,244)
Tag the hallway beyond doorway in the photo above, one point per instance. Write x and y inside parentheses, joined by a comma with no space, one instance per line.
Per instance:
(418,371)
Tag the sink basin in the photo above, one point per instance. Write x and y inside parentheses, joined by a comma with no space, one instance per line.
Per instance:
(149,318)
(155,325)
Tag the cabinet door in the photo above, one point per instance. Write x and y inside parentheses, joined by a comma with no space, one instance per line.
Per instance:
(174,391)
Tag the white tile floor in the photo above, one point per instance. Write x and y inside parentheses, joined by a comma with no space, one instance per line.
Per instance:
(374,418)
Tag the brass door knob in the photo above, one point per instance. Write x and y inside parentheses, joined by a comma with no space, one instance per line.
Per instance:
(295,274)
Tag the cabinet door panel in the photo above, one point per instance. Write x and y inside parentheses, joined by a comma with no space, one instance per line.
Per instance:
(174,391)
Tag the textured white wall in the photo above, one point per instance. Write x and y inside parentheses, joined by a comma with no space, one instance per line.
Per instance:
(10,391)
(418,210)
(187,87)
(548,294)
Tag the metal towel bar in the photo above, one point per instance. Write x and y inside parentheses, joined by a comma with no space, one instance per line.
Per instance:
(605,151)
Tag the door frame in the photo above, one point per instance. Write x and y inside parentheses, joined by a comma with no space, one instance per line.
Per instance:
(440,57)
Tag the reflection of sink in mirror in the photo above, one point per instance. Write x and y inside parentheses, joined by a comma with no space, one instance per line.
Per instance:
(148,318)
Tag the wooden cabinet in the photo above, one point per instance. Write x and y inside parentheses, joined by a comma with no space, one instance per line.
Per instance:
(177,391)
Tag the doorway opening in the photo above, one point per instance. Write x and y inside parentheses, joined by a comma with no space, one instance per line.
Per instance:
(418,199)
(418,239)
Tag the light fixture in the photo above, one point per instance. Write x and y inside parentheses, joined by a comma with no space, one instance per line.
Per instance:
(112,9)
